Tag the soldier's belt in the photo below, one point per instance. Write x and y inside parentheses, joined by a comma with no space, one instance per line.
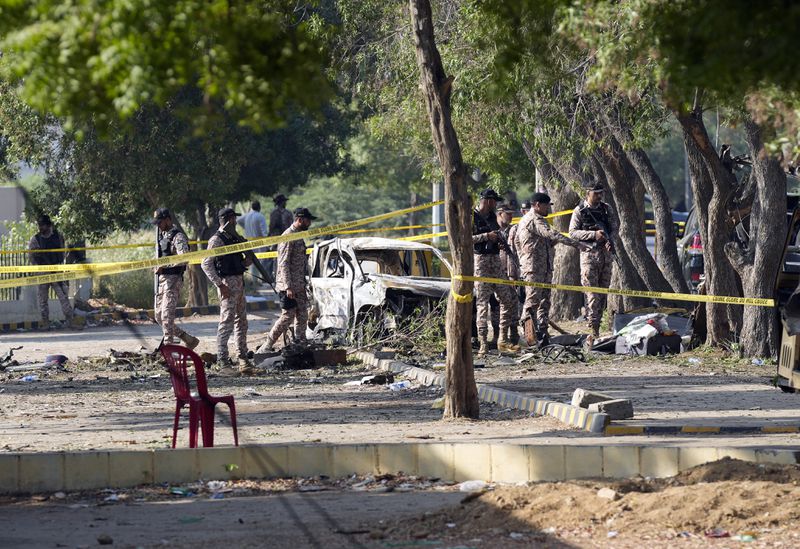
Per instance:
(94,270)
(728,300)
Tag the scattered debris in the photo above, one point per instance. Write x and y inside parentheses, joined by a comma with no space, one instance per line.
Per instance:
(400,385)
(608,493)
(473,486)
(8,359)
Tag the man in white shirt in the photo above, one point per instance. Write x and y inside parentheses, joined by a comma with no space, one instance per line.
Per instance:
(255,226)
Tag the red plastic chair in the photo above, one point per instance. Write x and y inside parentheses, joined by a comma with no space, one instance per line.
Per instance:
(201,405)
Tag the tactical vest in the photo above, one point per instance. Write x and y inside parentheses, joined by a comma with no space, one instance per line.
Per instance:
(229,264)
(165,248)
(49,243)
(594,219)
(481,225)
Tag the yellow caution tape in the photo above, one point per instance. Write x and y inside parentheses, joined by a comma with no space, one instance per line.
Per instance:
(461,298)
(93,270)
(728,300)
(88,248)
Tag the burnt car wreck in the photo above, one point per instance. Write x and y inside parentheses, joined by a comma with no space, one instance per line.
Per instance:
(360,280)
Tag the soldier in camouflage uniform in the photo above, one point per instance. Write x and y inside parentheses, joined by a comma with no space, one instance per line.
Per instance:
(48,239)
(226,272)
(510,264)
(280,219)
(487,245)
(171,241)
(594,221)
(291,283)
(537,240)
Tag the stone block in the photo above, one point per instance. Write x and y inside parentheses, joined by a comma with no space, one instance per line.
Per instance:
(9,473)
(658,462)
(546,463)
(510,463)
(583,462)
(41,472)
(265,461)
(396,458)
(85,470)
(130,468)
(583,398)
(620,461)
(691,457)
(309,461)
(357,459)
(175,465)
(472,462)
(620,408)
(220,463)
(436,461)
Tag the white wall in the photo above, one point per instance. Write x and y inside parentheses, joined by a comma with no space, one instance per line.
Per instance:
(12,204)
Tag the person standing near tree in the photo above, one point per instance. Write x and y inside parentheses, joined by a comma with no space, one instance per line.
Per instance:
(594,221)
(537,240)
(510,264)
(171,242)
(48,238)
(487,243)
(280,219)
(226,272)
(291,283)
(255,226)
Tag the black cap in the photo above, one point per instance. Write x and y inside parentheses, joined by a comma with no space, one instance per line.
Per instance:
(304,212)
(594,187)
(491,194)
(280,198)
(226,212)
(161,213)
(44,220)
(504,208)
(541,198)
(525,205)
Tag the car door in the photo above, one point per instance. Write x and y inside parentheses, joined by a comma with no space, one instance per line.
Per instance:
(331,286)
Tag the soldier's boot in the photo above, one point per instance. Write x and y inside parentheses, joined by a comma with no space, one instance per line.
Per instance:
(543,338)
(513,334)
(495,337)
(189,340)
(483,345)
(267,347)
(246,366)
(505,346)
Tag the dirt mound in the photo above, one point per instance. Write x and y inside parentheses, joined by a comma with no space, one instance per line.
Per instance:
(723,498)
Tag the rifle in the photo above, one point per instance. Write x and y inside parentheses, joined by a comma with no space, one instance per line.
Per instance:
(502,242)
(251,255)
(602,228)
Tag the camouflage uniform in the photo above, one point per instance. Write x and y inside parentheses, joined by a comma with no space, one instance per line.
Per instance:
(537,240)
(228,269)
(292,265)
(170,283)
(488,264)
(53,241)
(280,219)
(595,264)
(508,260)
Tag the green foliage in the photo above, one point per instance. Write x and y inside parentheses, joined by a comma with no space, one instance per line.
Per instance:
(106,60)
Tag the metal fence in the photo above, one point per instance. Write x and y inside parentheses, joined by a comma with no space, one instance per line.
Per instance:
(12,241)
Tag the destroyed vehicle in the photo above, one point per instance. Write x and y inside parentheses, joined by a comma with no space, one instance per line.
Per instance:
(360,280)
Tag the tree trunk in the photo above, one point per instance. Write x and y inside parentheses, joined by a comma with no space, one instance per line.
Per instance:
(621,176)
(566,265)
(724,321)
(624,274)
(667,252)
(461,393)
(198,283)
(758,265)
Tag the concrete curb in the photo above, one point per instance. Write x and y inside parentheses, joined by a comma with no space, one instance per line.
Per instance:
(143,314)
(25,473)
(615,429)
(566,413)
